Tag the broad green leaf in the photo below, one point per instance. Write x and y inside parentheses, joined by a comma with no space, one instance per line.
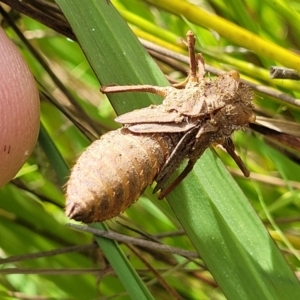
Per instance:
(212,209)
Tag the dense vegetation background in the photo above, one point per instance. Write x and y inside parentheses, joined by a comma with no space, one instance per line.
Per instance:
(42,258)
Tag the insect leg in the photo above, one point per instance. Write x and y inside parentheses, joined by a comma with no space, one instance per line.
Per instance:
(199,61)
(194,62)
(173,185)
(229,146)
(180,152)
(162,91)
(182,84)
(191,146)
(201,66)
(190,37)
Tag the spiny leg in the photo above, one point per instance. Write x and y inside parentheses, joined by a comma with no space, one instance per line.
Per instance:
(162,91)
(192,150)
(229,147)
(190,39)
(176,182)
(190,78)
(201,66)
(180,152)
(194,63)
(190,43)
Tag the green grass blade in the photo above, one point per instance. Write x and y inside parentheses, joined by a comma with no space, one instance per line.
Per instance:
(54,157)
(89,30)
(210,206)
(126,273)
(229,30)
(101,36)
(230,237)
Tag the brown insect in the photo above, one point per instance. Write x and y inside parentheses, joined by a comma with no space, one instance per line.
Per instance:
(114,171)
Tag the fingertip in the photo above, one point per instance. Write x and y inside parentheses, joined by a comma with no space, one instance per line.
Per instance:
(19,110)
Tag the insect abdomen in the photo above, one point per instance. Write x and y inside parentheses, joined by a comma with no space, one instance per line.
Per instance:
(113,172)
